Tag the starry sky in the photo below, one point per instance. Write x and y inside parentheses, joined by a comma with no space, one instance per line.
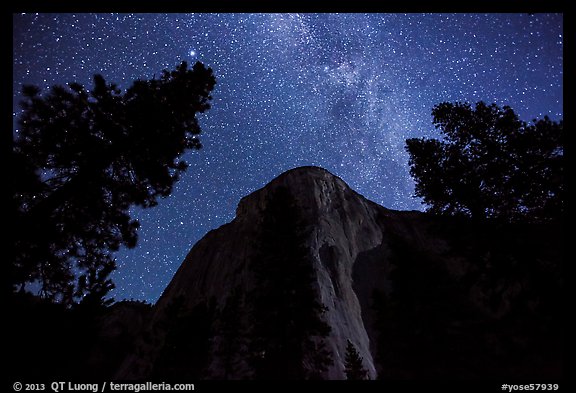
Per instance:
(340,91)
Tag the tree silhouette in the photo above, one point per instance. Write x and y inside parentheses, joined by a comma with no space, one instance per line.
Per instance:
(93,287)
(230,338)
(287,327)
(354,367)
(185,351)
(83,158)
(490,164)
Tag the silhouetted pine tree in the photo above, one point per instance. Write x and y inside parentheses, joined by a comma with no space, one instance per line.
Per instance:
(230,339)
(490,164)
(95,284)
(186,349)
(83,158)
(287,326)
(354,367)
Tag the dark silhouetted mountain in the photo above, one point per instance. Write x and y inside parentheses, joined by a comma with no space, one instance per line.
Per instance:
(306,267)
(419,296)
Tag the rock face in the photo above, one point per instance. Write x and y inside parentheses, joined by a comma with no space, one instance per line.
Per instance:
(418,296)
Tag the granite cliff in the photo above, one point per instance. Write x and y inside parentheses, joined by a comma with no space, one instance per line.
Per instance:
(418,296)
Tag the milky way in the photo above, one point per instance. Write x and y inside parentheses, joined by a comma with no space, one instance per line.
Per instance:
(339,91)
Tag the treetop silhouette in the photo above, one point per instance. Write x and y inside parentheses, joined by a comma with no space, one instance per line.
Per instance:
(354,367)
(490,164)
(83,158)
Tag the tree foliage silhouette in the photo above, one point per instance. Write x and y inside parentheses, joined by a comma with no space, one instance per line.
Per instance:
(185,351)
(83,158)
(231,338)
(287,330)
(490,164)
(353,362)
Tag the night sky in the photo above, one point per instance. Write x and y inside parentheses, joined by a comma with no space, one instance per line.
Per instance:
(340,91)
